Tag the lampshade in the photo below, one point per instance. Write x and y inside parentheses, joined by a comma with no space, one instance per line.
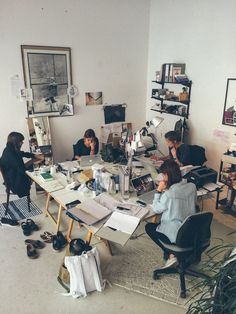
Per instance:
(156,121)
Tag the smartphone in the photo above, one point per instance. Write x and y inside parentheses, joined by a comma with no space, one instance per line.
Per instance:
(141,203)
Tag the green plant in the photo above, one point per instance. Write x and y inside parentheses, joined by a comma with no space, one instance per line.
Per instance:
(217,294)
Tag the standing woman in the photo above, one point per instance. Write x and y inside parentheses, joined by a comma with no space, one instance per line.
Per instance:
(175,200)
(14,167)
(88,145)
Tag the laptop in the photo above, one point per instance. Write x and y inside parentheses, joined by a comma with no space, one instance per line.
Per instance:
(86,161)
(145,188)
(46,149)
(151,167)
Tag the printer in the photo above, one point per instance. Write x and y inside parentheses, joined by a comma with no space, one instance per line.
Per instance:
(201,176)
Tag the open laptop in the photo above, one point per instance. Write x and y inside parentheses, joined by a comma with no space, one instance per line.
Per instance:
(145,188)
(86,161)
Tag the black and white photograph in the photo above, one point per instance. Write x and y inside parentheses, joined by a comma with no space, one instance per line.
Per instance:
(47,72)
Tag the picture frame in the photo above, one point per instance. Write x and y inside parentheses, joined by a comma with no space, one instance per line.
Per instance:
(48,75)
(229,113)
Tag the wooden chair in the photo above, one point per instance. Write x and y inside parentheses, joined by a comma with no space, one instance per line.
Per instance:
(8,191)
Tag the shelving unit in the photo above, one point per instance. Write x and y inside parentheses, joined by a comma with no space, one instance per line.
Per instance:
(165,103)
(229,179)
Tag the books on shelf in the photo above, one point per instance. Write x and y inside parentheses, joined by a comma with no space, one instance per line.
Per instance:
(171,70)
(46,176)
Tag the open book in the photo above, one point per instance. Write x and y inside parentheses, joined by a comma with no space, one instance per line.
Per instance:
(118,228)
(132,210)
(94,210)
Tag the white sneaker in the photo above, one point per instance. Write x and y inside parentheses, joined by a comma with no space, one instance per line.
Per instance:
(171,262)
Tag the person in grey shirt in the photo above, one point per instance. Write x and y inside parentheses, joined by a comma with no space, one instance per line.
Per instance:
(175,200)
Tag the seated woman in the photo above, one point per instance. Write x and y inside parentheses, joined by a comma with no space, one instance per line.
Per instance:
(179,151)
(88,145)
(175,200)
(14,167)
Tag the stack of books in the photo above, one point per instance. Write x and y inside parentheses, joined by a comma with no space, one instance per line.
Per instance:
(46,176)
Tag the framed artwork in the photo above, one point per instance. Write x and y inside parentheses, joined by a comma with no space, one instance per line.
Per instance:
(48,75)
(229,113)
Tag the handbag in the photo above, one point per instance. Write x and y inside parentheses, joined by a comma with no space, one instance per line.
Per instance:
(85,273)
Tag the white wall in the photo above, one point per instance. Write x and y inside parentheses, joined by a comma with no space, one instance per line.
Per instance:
(109,42)
(201,34)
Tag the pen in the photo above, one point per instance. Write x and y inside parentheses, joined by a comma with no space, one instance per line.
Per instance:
(122,208)
(114,229)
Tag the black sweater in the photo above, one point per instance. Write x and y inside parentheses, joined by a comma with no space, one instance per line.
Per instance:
(14,170)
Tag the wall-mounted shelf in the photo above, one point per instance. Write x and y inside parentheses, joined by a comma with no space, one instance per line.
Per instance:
(177,101)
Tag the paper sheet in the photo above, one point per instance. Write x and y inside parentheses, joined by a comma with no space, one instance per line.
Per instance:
(95,209)
(107,201)
(122,222)
(105,131)
(116,128)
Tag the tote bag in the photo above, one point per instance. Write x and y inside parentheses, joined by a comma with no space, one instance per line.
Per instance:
(85,273)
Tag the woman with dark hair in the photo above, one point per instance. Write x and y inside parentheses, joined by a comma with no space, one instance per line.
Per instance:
(14,167)
(175,200)
(179,151)
(88,145)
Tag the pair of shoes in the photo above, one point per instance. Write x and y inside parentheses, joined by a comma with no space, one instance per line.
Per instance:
(58,241)
(9,222)
(171,262)
(37,244)
(31,252)
(47,237)
(28,226)
(31,246)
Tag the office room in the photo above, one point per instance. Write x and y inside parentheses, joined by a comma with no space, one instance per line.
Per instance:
(116,48)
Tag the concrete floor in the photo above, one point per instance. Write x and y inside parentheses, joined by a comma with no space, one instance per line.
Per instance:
(30,286)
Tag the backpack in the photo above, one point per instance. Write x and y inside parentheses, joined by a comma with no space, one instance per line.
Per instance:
(198,156)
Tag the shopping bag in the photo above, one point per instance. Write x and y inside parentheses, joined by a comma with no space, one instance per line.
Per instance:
(85,273)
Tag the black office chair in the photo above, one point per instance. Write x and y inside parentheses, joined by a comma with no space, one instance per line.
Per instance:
(192,239)
(8,191)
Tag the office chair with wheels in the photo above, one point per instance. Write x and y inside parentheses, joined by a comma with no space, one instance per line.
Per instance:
(8,191)
(192,240)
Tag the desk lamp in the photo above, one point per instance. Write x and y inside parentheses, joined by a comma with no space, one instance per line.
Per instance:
(149,139)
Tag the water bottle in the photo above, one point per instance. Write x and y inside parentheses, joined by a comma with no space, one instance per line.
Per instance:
(98,187)
(69,177)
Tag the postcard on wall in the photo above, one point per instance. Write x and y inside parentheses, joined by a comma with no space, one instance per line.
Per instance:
(93,98)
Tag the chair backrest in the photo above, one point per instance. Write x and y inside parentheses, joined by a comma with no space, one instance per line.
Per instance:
(195,230)
(3,175)
(198,156)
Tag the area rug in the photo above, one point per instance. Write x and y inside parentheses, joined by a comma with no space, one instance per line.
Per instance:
(18,209)
(132,267)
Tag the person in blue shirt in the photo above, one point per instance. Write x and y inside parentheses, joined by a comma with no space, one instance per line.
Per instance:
(175,200)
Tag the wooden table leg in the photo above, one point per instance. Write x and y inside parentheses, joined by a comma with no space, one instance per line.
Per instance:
(47,205)
(68,235)
(88,237)
(108,246)
(59,216)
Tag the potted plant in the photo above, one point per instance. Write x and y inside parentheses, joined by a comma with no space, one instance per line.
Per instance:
(218,293)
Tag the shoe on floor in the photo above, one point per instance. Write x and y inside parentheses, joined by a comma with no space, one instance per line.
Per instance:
(171,262)
(9,222)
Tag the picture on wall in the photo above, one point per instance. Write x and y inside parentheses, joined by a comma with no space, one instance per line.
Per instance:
(93,98)
(47,72)
(229,114)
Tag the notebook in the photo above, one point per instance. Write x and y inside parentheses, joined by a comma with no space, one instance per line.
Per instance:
(144,187)
(86,161)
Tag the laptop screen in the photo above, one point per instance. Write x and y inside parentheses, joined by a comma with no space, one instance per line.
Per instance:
(143,184)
